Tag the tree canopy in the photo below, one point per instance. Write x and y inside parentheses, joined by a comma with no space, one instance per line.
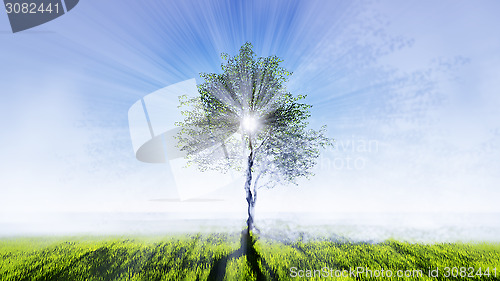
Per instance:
(245,119)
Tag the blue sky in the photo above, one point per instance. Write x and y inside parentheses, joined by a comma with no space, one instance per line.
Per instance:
(417,81)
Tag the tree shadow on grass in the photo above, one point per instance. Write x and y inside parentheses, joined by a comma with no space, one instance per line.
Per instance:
(101,263)
(247,248)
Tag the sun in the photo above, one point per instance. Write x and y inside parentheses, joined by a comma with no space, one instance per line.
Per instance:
(249,124)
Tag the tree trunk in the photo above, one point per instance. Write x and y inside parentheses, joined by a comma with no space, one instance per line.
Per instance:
(250,198)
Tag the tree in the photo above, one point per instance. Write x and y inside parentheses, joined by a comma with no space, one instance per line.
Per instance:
(244,119)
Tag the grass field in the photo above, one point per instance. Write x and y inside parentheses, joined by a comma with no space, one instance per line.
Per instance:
(238,257)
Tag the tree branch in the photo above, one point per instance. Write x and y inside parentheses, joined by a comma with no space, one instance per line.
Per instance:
(255,186)
(268,136)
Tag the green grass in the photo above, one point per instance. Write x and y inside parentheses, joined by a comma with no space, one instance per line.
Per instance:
(231,257)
